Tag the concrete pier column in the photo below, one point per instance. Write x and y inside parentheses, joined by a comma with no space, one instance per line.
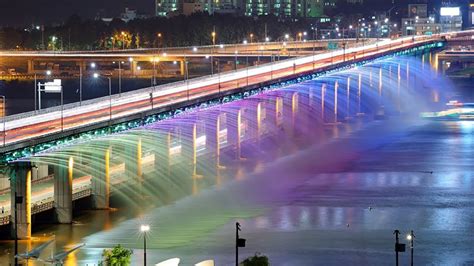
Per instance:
(63,173)
(181,67)
(254,116)
(188,146)
(290,109)
(133,66)
(278,111)
(323,102)
(213,128)
(100,182)
(259,114)
(31,66)
(20,183)
(133,160)
(39,171)
(162,153)
(234,131)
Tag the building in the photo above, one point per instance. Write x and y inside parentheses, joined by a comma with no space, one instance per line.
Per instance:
(450,19)
(418,22)
(165,8)
(280,8)
(470,23)
(285,8)
(192,7)
(420,26)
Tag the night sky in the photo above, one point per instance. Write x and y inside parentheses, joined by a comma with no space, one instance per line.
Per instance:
(25,12)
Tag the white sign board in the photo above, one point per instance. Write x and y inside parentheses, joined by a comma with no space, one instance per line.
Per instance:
(53,87)
(450,11)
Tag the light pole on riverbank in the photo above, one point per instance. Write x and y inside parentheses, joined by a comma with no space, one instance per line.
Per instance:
(144,228)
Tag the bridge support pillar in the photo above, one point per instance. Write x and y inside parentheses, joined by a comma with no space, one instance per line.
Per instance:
(63,173)
(20,184)
(278,111)
(133,69)
(181,67)
(290,109)
(31,66)
(188,146)
(255,121)
(41,171)
(213,127)
(234,131)
(100,182)
(162,153)
(133,160)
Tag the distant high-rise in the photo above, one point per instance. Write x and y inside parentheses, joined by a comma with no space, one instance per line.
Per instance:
(285,8)
(280,8)
(470,23)
(165,8)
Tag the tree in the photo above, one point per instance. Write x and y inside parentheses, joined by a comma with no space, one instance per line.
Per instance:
(118,256)
(257,260)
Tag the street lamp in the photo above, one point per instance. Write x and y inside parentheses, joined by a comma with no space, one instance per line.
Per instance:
(251,37)
(213,34)
(160,42)
(144,228)
(96,76)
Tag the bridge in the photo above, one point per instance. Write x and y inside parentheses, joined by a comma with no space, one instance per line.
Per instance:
(32,133)
(164,62)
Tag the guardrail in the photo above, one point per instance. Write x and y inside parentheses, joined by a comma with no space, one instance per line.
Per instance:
(48,204)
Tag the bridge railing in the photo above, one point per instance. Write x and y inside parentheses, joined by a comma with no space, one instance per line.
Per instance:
(216,47)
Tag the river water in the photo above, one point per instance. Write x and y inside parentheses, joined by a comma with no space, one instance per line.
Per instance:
(332,202)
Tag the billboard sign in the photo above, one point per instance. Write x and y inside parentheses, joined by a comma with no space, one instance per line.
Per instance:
(418,10)
(450,11)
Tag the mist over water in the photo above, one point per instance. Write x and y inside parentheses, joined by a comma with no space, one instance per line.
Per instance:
(309,173)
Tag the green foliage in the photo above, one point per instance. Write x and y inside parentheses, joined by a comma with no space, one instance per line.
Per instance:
(257,260)
(175,31)
(118,256)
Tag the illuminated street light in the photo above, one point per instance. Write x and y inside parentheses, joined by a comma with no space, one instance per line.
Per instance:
(48,73)
(195,49)
(213,35)
(221,46)
(245,42)
(96,76)
(130,59)
(93,65)
(139,68)
(287,36)
(267,39)
(144,229)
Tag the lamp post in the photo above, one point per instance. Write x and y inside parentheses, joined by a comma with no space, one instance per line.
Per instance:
(411,238)
(144,228)
(160,42)
(96,75)
(4,118)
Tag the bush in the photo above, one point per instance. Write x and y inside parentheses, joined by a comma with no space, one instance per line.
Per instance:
(256,260)
(118,256)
